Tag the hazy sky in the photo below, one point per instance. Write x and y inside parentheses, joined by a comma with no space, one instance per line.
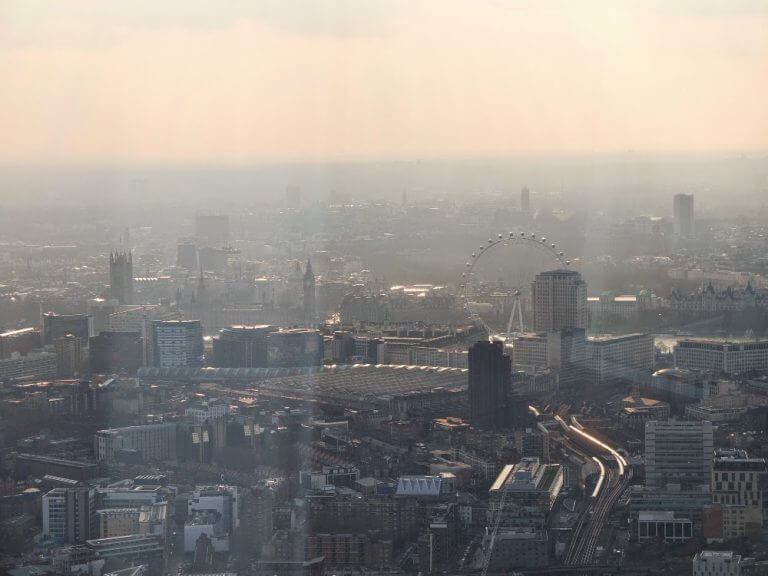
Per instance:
(237,81)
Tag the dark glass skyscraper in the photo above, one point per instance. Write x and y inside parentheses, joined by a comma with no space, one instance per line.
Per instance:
(490,383)
(56,326)
(242,347)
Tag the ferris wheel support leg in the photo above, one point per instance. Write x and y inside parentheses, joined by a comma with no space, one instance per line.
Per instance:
(511,317)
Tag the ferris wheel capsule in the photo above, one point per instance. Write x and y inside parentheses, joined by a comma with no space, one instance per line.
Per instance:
(567,262)
(463,274)
(553,245)
(468,264)
(490,240)
(533,235)
(522,234)
(561,254)
(511,234)
(543,240)
(500,236)
(474,255)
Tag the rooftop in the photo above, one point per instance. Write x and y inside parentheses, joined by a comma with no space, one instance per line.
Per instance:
(601,338)
(419,485)
(720,555)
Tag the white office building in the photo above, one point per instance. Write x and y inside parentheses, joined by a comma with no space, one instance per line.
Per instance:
(208,410)
(627,357)
(177,343)
(720,356)
(213,511)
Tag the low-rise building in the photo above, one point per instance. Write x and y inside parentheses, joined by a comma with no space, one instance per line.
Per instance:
(117,522)
(132,549)
(637,411)
(667,526)
(526,548)
(716,563)
(145,442)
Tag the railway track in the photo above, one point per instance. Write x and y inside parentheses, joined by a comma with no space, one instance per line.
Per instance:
(611,485)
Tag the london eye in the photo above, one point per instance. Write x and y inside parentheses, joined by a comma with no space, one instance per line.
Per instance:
(497,277)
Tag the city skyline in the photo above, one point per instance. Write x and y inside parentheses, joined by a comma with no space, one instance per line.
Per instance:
(383,287)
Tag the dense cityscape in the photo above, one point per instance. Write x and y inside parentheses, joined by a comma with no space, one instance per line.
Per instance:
(383,288)
(279,400)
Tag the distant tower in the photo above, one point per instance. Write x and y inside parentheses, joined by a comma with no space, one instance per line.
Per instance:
(525,200)
(683,215)
(121,277)
(310,312)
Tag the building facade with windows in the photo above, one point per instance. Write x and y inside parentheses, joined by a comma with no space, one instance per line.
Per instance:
(678,453)
(737,485)
(719,356)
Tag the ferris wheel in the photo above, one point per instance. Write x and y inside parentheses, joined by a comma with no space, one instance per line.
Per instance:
(496,302)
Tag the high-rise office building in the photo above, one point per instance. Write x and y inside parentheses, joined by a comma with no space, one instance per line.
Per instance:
(215,259)
(525,200)
(490,381)
(57,325)
(177,343)
(99,310)
(69,514)
(116,352)
(121,277)
(139,319)
(678,453)
(684,224)
(310,309)
(69,356)
(295,348)
(186,255)
(559,301)
(242,347)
